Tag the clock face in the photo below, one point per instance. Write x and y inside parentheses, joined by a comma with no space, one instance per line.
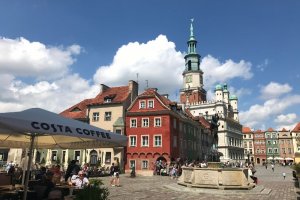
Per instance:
(188,79)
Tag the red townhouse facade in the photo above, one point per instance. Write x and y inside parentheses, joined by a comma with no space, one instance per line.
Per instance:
(158,129)
(260,152)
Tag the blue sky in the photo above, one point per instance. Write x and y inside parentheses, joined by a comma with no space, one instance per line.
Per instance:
(55,53)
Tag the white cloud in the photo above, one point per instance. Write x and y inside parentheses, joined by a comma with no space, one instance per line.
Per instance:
(55,96)
(263,65)
(218,72)
(287,121)
(274,90)
(158,62)
(21,57)
(258,114)
(288,118)
(55,88)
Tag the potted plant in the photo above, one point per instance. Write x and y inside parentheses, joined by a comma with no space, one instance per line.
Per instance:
(94,191)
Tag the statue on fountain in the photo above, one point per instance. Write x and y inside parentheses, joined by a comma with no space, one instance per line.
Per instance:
(214,129)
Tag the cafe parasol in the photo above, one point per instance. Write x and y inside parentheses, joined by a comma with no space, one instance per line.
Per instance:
(38,128)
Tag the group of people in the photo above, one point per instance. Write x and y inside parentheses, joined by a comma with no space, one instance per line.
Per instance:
(115,175)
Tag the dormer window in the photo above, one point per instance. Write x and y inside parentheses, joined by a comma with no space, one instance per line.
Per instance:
(108,100)
(150,103)
(142,104)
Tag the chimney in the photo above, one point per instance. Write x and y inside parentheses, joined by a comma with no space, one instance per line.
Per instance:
(133,89)
(103,88)
(165,95)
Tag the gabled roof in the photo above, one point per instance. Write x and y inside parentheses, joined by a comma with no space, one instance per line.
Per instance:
(258,131)
(115,94)
(270,130)
(151,92)
(284,130)
(77,111)
(246,129)
(204,122)
(297,128)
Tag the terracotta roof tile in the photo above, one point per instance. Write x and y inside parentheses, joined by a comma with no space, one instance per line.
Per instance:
(204,122)
(116,94)
(246,129)
(152,92)
(297,128)
(77,111)
(270,129)
(258,131)
(283,130)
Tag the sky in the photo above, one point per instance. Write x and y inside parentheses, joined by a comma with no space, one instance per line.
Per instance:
(53,54)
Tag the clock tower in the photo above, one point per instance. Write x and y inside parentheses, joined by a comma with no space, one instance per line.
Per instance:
(192,90)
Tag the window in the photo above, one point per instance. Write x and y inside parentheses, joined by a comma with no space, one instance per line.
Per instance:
(269,150)
(95,116)
(157,122)
(119,131)
(244,136)
(107,116)
(174,141)
(132,141)
(54,156)
(250,136)
(257,151)
(157,140)
(131,163)
(290,150)
(145,141)
(142,104)
(283,150)
(150,104)
(107,100)
(145,122)
(133,123)
(263,151)
(77,155)
(174,123)
(269,142)
(275,150)
(145,164)
(63,159)
(245,144)
(107,157)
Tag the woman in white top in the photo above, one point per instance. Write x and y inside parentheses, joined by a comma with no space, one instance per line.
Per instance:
(79,180)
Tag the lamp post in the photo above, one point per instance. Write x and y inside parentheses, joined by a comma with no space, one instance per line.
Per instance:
(248,157)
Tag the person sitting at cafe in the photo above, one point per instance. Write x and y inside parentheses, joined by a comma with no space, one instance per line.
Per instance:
(79,180)
(47,181)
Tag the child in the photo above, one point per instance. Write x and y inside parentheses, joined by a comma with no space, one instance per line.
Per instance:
(283,174)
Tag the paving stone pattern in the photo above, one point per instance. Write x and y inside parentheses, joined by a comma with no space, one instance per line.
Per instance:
(271,185)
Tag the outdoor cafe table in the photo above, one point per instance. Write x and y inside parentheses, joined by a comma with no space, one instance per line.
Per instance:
(65,187)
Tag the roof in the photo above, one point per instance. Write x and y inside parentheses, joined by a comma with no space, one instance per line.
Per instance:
(246,129)
(233,97)
(258,131)
(270,130)
(77,111)
(119,122)
(116,94)
(204,122)
(297,127)
(284,130)
(219,87)
(151,92)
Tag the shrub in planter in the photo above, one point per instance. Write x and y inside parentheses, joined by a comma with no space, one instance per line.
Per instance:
(95,191)
(296,167)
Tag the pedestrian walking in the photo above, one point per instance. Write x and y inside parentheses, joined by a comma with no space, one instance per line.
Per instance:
(272,167)
(266,165)
(283,174)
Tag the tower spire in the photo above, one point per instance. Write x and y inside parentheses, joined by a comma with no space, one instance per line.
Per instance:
(192,28)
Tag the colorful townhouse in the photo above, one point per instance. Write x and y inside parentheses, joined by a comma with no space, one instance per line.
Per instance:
(286,146)
(259,141)
(248,144)
(159,129)
(273,152)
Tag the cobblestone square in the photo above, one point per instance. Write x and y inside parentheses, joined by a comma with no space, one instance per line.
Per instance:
(163,187)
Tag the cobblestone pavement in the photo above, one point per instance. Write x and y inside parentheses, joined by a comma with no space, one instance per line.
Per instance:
(271,185)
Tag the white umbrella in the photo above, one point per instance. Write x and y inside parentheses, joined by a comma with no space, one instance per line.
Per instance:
(270,158)
(278,158)
(289,158)
(44,129)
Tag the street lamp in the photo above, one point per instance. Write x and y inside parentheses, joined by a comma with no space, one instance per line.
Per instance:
(248,157)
